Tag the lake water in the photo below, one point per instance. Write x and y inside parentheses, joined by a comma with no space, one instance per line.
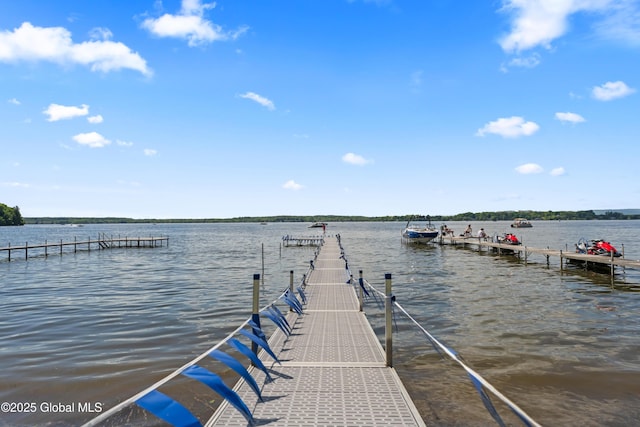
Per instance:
(100,326)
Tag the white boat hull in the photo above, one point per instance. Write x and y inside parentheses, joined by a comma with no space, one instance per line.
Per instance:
(419,235)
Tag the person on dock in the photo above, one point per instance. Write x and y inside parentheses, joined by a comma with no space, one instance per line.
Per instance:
(482,234)
(446,231)
(468,232)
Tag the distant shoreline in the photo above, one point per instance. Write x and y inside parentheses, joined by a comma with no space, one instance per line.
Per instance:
(630,214)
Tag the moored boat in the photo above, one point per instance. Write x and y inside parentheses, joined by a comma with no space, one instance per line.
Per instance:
(318,225)
(521,223)
(414,234)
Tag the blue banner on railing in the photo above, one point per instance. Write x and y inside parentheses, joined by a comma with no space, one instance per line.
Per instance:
(262,343)
(215,382)
(275,318)
(302,295)
(282,316)
(234,343)
(239,368)
(167,409)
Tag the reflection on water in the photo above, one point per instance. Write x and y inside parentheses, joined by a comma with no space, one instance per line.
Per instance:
(100,326)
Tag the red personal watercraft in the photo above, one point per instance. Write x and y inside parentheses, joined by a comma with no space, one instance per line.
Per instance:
(509,239)
(596,247)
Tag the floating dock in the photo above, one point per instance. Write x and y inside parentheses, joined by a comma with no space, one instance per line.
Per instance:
(302,240)
(334,370)
(102,242)
(524,252)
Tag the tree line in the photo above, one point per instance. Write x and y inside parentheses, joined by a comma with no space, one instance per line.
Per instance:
(10,216)
(466,216)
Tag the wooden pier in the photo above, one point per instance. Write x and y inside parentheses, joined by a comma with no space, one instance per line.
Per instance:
(524,252)
(102,242)
(334,371)
(302,240)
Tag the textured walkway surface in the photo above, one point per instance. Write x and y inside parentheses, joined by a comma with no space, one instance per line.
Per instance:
(333,369)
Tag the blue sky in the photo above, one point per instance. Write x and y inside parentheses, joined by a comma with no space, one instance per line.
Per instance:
(189,109)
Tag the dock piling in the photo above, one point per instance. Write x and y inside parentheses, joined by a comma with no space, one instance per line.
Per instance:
(255,315)
(388,331)
(360,293)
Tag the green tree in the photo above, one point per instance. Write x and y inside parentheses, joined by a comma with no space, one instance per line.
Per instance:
(10,216)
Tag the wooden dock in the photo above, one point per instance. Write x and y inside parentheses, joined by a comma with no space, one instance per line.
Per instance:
(302,240)
(524,252)
(334,371)
(101,242)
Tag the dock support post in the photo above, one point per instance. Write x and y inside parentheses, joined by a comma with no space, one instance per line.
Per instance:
(45,248)
(561,260)
(360,292)
(291,285)
(388,324)
(60,247)
(612,266)
(26,250)
(255,316)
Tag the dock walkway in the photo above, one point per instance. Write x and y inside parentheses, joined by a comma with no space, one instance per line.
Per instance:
(525,250)
(333,370)
(102,242)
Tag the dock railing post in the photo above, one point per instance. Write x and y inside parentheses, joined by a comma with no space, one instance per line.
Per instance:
(360,293)
(255,314)
(388,321)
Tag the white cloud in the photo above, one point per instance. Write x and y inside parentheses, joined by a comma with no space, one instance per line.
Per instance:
(355,159)
(611,90)
(259,99)
(570,117)
(150,152)
(529,168)
(557,171)
(621,23)
(13,101)
(54,44)
(95,119)
(530,61)
(511,127)
(539,22)
(62,112)
(292,185)
(123,143)
(15,184)
(189,23)
(91,139)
